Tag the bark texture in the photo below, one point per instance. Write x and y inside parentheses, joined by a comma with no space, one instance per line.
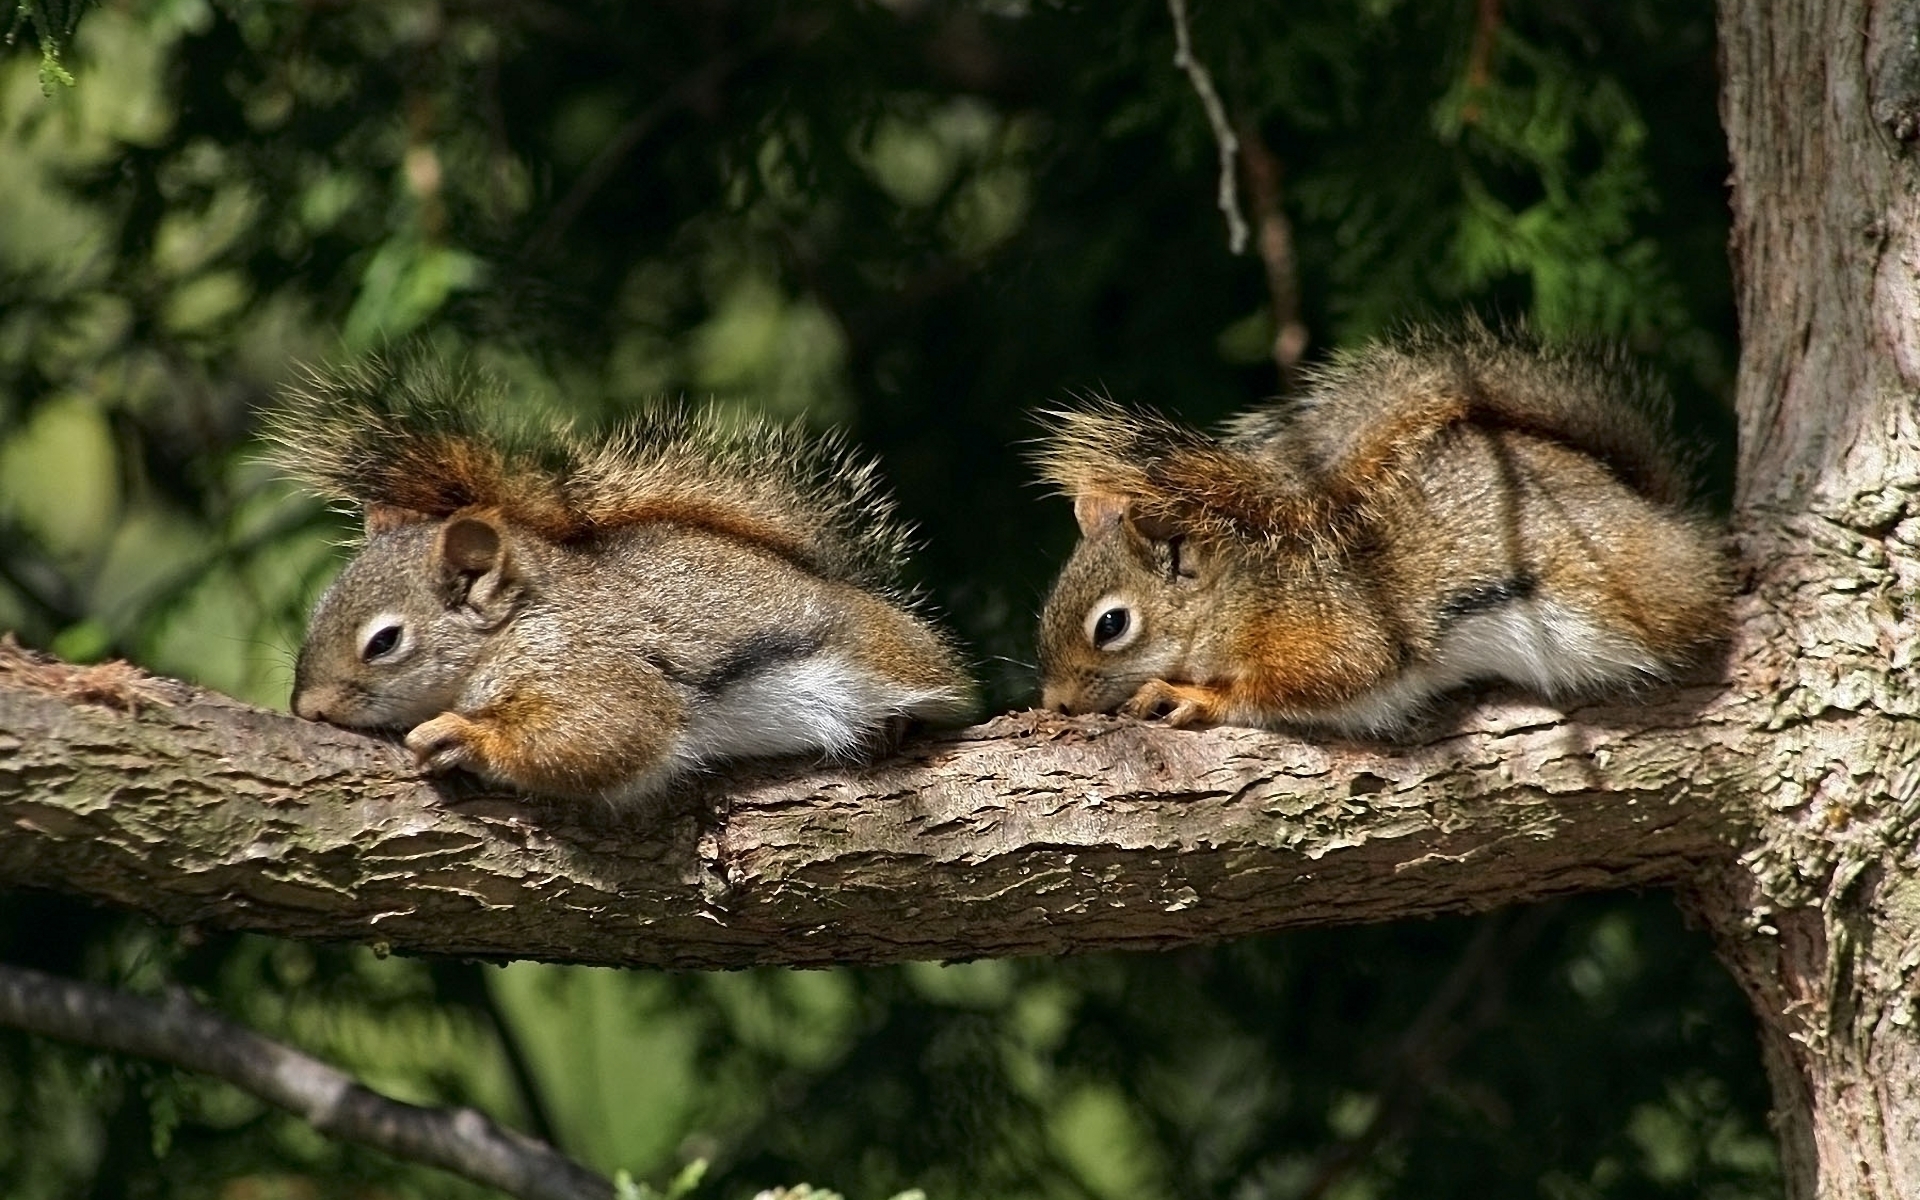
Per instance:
(1820,916)
(1029,835)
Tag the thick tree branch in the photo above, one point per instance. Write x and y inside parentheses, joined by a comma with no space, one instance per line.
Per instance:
(1029,835)
(177,1031)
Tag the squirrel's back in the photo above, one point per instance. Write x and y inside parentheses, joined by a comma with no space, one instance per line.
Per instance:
(407,437)
(1368,414)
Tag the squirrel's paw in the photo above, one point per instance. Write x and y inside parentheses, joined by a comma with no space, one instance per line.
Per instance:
(1179,705)
(444,743)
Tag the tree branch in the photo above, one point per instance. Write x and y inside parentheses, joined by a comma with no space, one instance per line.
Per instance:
(1031,834)
(1223,135)
(1276,254)
(179,1032)
(1486,27)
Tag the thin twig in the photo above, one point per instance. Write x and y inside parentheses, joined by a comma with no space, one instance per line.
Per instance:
(469,985)
(177,1031)
(1486,26)
(1276,254)
(1217,117)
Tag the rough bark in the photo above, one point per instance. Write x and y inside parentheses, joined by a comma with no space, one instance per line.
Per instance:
(1028,835)
(1820,916)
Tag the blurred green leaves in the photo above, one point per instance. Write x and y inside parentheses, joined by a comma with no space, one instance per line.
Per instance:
(61,477)
(403,285)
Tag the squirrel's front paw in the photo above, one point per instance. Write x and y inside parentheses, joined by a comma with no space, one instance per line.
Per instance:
(1178,705)
(444,743)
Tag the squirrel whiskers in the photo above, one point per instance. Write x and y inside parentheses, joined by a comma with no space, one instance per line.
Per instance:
(1450,506)
(596,616)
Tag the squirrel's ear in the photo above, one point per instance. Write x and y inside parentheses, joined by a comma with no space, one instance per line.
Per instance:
(1160,541)
(1098,512)
(470,545)
(476,567)
(1102,512)
(1169,547)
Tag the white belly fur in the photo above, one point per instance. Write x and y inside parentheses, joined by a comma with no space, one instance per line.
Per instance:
(1542,645)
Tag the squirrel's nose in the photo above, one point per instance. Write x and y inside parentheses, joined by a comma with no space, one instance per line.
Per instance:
(314,704)
(1055,698)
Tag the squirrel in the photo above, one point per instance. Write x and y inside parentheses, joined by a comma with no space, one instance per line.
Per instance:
(596,617)
(1448,506)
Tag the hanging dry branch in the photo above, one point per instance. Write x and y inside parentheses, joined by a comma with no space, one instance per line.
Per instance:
(177,1031)
(1223,134)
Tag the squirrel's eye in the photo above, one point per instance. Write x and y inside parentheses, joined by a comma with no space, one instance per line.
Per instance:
(381,643)
(1111,623)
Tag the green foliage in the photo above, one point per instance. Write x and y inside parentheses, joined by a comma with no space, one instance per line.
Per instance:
(683,1184)
(51,24)
(919,221)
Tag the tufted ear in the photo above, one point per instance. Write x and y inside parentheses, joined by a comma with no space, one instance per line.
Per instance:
(1098,512)
(475,562)
(1154,527)
(1161,541)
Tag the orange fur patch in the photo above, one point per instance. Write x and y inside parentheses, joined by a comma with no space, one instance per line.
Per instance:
(1293,663)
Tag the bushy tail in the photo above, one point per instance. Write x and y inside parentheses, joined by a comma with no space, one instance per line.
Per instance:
(418,438)
(1369,413)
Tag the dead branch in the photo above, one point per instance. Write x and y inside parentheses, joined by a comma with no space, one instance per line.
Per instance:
(177,1031)
(1223,135)
(1275,244)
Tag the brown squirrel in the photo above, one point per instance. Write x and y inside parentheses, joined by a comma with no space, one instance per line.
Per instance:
(597,617)
(1446,507)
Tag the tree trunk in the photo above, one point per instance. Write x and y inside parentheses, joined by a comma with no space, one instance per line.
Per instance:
(1820,916)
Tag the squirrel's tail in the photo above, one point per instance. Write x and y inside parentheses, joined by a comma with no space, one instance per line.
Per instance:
(1176,475)
(809,497)
(418,438)
(1369,413)
(409,437)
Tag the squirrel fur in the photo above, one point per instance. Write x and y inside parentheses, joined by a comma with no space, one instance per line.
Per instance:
(597,616)
(1449,506)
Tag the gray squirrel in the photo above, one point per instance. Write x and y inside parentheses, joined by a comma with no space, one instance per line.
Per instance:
(597,617)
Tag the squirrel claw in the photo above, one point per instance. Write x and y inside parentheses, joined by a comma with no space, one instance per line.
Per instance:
(1173,705)
(443,743)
